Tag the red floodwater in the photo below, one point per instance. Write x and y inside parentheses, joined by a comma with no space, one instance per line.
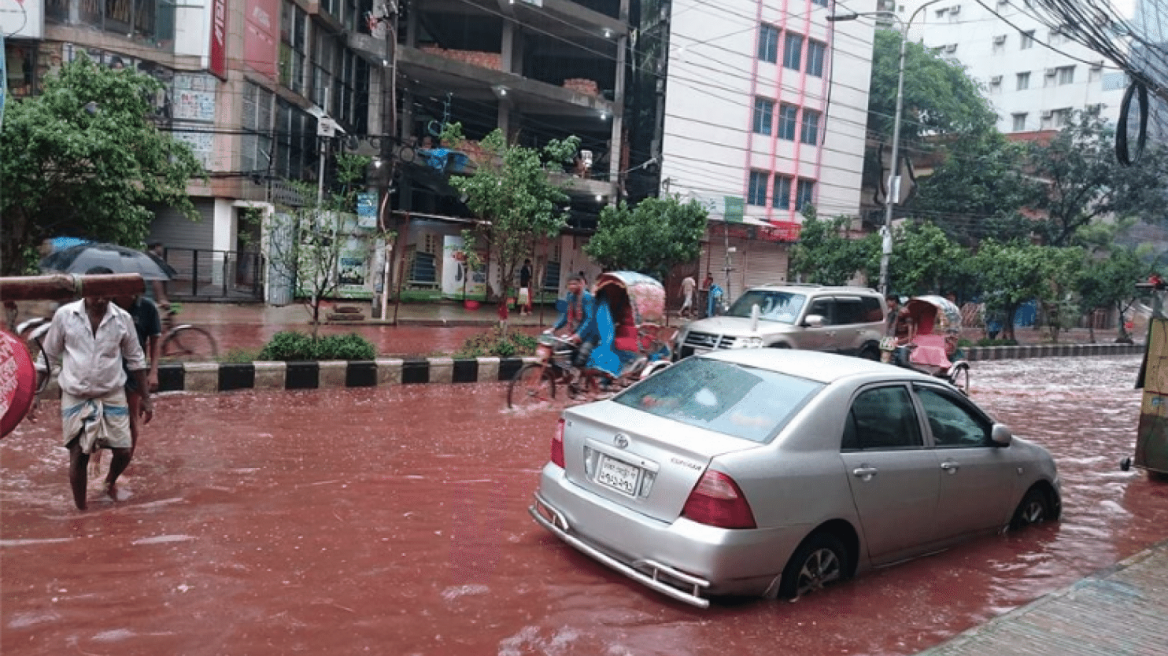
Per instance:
(393,521)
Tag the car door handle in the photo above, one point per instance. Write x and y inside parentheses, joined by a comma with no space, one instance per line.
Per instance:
(950,466)
(864,472)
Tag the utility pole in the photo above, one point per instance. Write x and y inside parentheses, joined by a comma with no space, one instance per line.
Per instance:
(388,163)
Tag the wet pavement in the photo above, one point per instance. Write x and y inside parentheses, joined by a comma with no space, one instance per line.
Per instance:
(393,521)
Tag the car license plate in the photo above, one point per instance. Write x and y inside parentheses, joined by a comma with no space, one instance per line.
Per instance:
(620,476)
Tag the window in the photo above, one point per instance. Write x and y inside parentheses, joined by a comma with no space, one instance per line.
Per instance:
(256,146)
(768,43)
(325,59)
(781,199)
(952,423)
(804,193)
(764,114)
(1027,40)
(880,419)
(1062,117)
(788,115)
(293,46)
(793,51)
(996,84)
(810,133)
(1095,73)
(756,194)
(816,53)
(1019,122)
(1000,43)
(1023,81)
(1066,75)
(821,3)
(1057,36)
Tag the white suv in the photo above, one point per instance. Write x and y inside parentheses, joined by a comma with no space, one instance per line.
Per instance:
(847,320)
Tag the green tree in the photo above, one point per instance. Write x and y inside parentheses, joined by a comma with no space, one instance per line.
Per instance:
(653,237)
(1082,182)
(511,191)
(939,96)
(923,259)
(1111,271)
(306,244)
(84,158)
(978,190)
(1011,274)
(828,254)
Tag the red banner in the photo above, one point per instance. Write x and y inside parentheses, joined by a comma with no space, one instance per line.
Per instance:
(261,35)
(218,66)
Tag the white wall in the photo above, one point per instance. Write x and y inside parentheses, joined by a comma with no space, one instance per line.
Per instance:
(192,25)
(714,76)
(974,29)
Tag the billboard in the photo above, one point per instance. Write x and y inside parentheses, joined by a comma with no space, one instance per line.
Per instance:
(22,19)
(218,66)
(261,36)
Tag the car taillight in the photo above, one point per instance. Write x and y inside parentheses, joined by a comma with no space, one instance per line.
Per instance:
(558,445)
(717,501)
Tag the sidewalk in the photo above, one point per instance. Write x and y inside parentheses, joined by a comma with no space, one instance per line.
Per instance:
(1121,610)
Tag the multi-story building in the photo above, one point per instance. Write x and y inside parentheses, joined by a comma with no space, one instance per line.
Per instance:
(765,115)
(244,82)
(1034,75)
(537,70)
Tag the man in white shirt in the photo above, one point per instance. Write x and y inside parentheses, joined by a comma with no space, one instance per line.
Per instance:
(687,294)
(90,338)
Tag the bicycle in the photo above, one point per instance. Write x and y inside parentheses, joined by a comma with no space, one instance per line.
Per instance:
(185,342)
(536,382)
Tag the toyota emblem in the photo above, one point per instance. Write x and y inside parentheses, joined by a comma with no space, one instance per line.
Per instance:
(621,440)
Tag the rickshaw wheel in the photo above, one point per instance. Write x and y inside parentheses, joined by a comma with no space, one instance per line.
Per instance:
(959,377)
(532,385)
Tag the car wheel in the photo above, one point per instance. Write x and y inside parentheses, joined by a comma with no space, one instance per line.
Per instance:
(1034,509)
(822,559)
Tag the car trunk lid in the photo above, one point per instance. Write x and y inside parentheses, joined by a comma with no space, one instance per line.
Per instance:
(647,463)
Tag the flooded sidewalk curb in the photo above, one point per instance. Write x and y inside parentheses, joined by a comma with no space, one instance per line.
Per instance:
(224,377)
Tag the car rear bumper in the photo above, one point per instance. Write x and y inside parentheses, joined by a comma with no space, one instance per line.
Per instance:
(551,519)
(682,559)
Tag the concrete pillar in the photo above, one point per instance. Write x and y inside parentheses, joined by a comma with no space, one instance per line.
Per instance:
(618,109)
(507,57)
(412,23)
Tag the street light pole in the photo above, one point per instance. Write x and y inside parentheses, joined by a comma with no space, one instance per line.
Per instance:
(894,170)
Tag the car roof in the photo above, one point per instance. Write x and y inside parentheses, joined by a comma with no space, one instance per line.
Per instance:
(814,365)
(805,287)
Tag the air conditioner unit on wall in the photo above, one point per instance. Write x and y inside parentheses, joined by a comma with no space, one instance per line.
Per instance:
(1047,114)
(995,80)
(952,47)
(1000,39)
(955,9)
(1051,72)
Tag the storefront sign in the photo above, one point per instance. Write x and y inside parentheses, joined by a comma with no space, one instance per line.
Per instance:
(259,39)
(219,39)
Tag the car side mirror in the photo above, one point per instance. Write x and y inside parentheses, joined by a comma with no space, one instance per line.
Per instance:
(814,321)
(1000,435)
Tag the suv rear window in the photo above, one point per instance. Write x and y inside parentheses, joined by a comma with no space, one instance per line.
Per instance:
(741,401)
(782,307)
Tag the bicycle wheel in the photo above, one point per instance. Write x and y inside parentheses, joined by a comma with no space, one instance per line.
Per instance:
(189,343)
(532,385)
(41,362)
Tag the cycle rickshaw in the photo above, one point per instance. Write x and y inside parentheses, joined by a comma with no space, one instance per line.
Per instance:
(933,347)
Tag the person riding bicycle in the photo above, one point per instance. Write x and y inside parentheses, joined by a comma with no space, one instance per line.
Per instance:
(579,320)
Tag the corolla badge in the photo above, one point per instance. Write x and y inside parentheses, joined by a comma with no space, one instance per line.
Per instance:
(621,440)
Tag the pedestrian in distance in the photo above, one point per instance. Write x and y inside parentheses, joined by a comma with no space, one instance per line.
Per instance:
(688,284)
(525,288)
(148,327)
(89,339)
(156,289)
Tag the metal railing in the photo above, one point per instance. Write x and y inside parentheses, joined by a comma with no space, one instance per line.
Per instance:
(215,275)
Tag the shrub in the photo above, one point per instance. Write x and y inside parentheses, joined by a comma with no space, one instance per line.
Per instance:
(292,346)
(494,343)
(241,356)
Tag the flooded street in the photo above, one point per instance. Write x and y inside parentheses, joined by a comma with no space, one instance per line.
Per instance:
(394,521)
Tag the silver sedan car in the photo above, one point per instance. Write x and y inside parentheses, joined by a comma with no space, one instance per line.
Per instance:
(775,472)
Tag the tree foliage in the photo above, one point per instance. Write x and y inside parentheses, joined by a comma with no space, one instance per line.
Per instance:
(1011,274)
(923,260)
(1083,183)
(653,237)
(85,159)
(511,191)
(827,254)
(939,96)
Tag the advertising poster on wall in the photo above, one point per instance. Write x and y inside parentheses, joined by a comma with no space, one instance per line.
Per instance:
(353,279)
(259,40)
(22,19)
(456,279)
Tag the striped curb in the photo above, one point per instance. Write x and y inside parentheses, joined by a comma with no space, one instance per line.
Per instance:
(1024,351)
(383,372)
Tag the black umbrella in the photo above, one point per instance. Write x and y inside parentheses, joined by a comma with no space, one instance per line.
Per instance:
(81,258)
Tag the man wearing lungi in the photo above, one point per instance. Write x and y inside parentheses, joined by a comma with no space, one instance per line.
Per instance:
(90,338)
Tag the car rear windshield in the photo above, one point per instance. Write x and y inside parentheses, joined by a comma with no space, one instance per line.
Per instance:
(729,398)
(782,307)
